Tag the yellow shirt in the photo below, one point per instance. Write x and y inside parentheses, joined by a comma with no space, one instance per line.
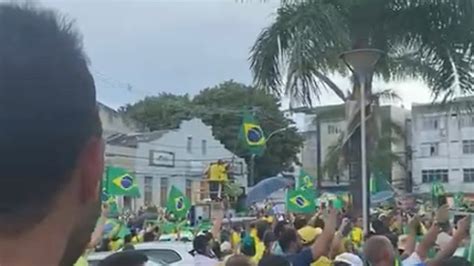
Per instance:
(235,239)
(218,172)
(357,235)
(135,240)
(253,233)
(115,245)
(81,262)
(268,219)
(322,261)
(259,250)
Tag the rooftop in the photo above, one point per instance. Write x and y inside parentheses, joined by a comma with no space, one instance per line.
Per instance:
(132,139)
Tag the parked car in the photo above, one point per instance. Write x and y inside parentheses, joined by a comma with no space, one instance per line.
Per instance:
(160,253)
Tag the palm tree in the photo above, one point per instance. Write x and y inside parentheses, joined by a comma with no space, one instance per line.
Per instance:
(428,39)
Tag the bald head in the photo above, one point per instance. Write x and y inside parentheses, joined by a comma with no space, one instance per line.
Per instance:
(379,251)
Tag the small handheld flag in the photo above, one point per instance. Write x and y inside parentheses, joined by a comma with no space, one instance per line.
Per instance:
(121,183)
(252,135)
(300,201)
(178,203)
(305,181)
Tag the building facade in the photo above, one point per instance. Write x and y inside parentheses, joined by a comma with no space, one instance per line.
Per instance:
(324,125)
(114,122)
(443,147)
(176,157)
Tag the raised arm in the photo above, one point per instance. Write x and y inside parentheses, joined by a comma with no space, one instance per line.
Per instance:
(99,228)
(410,244)
(322,244)
(341,233)
(442,215)
(453,244)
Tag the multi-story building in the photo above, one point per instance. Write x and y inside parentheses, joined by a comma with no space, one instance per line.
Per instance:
(443,146)
(323,127)
(175,157)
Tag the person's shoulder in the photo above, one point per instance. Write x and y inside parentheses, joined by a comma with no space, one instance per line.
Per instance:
(305,257)
(412,260)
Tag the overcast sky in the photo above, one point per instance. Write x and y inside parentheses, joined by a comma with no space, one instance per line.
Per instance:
(177,46)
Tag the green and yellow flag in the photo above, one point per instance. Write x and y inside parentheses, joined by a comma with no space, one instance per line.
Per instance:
(121,183)
(305,181)
(437,190)
(252,135)
(178,203)
(300,201)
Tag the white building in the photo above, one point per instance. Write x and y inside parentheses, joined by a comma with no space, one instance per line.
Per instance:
(113,122)
(176,157)
(322,128)
(443,147)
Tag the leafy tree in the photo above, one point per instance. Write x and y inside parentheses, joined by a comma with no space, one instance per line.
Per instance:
(160,112)
(431,40)
(221,107)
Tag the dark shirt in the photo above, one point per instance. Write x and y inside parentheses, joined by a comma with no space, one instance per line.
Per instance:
(303,258)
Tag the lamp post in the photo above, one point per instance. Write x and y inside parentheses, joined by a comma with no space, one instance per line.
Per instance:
(252,157)
(362,62)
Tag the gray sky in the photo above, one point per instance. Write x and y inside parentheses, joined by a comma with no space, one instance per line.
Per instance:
(177,46)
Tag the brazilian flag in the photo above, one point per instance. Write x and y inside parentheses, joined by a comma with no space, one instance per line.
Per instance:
(178,203)
(437,190)
(252,135)
(300,201)
(305,181)
(120,183)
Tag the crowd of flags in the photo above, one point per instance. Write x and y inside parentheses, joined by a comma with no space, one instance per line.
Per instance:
(119,182)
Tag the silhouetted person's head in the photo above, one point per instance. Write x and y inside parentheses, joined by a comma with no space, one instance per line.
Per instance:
(51,157)
(378,250)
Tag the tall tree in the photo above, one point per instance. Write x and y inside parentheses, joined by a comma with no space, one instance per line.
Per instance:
(424,39)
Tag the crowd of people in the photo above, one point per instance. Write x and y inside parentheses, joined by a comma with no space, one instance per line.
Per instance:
(52,163)
(330,237)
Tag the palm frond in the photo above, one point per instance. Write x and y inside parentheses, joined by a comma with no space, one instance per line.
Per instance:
(433,40)
(305,38)
(386,95)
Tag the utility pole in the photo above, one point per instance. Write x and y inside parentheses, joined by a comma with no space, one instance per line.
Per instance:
(252,170)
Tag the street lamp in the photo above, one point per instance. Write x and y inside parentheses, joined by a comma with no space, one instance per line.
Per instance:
(362,62)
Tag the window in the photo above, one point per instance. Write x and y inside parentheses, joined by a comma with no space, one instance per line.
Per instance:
(333,129)
(432,175)
(189,188)
(430,123)
(467,120)
(468,175)
(468,146)
(429,149)
(148,190)
(189,145)
(204,147)
(163,191)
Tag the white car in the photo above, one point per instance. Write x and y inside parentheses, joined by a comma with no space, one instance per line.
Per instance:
(159,253)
